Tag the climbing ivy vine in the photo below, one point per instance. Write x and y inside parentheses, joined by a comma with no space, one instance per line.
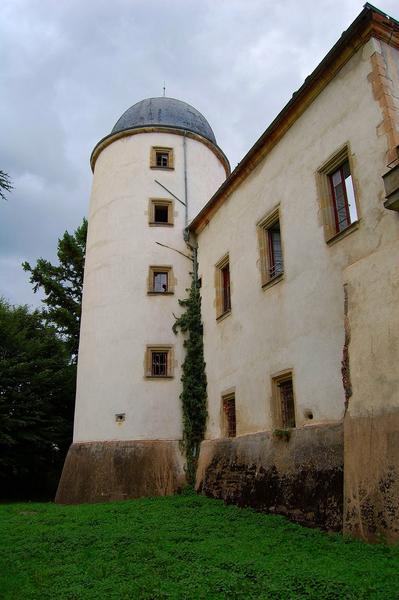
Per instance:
(193,396)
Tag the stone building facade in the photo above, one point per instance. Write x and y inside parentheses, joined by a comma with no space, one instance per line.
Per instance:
(298,254)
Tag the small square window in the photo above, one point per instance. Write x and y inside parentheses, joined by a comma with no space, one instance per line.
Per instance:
(337,194)
(283,400)
(159,363)
(161,212)
(223,291)
(160,280)
(161,158)
(271,253)
(229,422)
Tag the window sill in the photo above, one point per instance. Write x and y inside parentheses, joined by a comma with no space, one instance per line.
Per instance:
(155,168)
(150,293)
(223,315)
(158,377)
(155,224)
(272,282)
(341,234)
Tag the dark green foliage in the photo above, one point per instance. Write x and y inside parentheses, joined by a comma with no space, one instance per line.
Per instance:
(5,184)
(282,434)
(182,548)
(36,403)
(193,396)
(63,285)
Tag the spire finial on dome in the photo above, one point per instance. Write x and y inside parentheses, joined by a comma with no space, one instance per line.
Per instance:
(164,90)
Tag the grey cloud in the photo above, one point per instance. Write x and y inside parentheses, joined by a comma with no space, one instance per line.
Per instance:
(68,70)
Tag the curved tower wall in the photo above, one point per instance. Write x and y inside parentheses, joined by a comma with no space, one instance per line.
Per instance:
(122,416)
(120,319)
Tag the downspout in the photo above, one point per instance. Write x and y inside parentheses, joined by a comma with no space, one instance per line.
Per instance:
(193,246)
(185,181)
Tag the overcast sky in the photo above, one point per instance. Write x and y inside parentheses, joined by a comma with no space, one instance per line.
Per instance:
(70,68)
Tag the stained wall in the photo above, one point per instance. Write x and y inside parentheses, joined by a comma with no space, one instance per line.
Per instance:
(298,323)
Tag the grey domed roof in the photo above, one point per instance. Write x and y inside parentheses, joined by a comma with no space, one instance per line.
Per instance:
(165,111)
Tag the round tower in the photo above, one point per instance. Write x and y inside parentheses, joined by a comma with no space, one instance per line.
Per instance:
(152,174)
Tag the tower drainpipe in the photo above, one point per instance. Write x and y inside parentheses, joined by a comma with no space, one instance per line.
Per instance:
(185,179)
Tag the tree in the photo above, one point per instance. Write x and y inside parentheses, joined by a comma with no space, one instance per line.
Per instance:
(5,184)
(37,383)
(63,285)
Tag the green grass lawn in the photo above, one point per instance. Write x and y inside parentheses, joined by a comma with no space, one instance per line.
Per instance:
(179,547)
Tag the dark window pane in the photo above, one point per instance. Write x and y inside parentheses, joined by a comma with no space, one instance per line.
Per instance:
(276,265)
(162,159)
(287,403)
(160,283)
(229,408)
(161,213)
(159,364)
(226,288)
(346,169)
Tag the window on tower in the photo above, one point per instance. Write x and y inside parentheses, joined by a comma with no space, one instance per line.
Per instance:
(160,212)
(159,362)
(160,280)
(161,158)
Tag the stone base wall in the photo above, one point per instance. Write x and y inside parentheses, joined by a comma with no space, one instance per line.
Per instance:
(301,477)
(106,471)
(372,477)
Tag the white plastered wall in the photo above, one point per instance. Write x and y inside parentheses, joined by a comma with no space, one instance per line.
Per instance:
(119,318)
(298,323)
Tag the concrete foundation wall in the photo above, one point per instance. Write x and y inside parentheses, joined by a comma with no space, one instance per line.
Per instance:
(301,478)
(107,471)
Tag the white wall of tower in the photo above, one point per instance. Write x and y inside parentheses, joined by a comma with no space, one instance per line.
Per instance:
(119,318)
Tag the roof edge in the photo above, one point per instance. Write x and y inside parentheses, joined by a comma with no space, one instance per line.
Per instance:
(371,22)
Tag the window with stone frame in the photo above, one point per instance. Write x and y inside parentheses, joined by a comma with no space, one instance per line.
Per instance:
(337,194)
(223,287)
(160,280)
(159,362)
(270,248)
(283,400)
(161,158)
(160,212)
(229,422)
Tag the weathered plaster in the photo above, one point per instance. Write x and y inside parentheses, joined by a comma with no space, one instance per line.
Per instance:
(372,418)
(299,322)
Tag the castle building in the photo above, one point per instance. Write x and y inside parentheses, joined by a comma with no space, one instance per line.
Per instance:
(298,253)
